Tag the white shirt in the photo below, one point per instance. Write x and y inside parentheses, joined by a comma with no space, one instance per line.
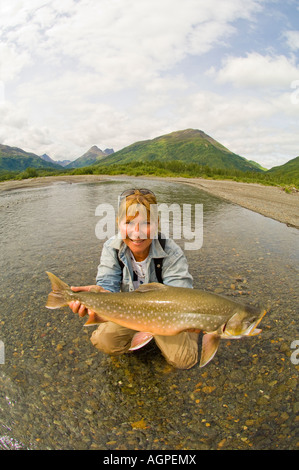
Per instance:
(139,267)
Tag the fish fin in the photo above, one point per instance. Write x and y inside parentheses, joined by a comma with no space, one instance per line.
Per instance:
(140,339)
(94,289)
(57,284)
(150,286)
(56,298)
(210,343)
(94,319)
(255,332)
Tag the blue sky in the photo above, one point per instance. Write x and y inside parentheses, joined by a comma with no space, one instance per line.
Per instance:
(77,73)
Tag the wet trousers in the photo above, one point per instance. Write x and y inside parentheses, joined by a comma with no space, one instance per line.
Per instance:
(181,351)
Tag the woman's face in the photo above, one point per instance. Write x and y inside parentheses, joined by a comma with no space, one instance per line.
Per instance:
(137,232)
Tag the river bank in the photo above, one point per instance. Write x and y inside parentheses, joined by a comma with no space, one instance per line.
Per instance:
(270,201)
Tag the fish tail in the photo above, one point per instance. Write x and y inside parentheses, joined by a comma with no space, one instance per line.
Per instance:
(57,298)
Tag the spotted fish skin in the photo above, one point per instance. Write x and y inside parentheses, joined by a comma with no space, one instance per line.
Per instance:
(163,310)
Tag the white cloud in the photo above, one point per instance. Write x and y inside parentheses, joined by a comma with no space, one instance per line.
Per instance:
(126,39)
(256,70)
(12,61)
(292,38)
(17,131)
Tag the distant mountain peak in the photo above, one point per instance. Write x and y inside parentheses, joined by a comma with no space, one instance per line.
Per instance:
(92,156)
(108,151)
(55,162)
(16,159)
(47,158)
(95,149)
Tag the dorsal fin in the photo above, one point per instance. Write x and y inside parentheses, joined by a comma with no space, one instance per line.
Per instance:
(150,287)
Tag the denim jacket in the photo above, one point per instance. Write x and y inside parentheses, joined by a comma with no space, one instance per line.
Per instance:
(174,269)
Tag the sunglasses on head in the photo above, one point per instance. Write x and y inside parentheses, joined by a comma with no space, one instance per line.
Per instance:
(129,192)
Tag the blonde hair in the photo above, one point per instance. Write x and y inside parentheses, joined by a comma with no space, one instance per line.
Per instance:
(138,203)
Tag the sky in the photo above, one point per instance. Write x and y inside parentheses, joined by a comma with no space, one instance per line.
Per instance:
(78,73)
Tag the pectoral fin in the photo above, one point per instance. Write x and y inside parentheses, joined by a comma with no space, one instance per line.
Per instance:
(210,343)
(94,319)
(140,339)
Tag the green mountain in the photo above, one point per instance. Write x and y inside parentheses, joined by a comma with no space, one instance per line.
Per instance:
(190,146)
(260,167)
(289,172)
(93,156)
(16,159)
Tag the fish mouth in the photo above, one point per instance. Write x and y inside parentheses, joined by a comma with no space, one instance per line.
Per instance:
(229,335)
(253,330)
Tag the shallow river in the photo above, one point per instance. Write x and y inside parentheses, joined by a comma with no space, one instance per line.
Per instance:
(58,392)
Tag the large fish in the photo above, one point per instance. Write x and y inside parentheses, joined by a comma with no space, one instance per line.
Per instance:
(157,309)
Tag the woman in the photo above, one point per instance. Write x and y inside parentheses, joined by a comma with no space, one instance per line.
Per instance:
(130,259)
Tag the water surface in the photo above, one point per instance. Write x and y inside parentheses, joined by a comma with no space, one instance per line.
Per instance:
(58,392)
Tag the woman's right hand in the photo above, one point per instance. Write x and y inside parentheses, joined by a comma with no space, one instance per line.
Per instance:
(79,308)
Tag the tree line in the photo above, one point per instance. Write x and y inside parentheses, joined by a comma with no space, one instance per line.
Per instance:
(173,168)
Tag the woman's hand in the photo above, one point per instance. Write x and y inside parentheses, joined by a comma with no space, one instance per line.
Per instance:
(79,308)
